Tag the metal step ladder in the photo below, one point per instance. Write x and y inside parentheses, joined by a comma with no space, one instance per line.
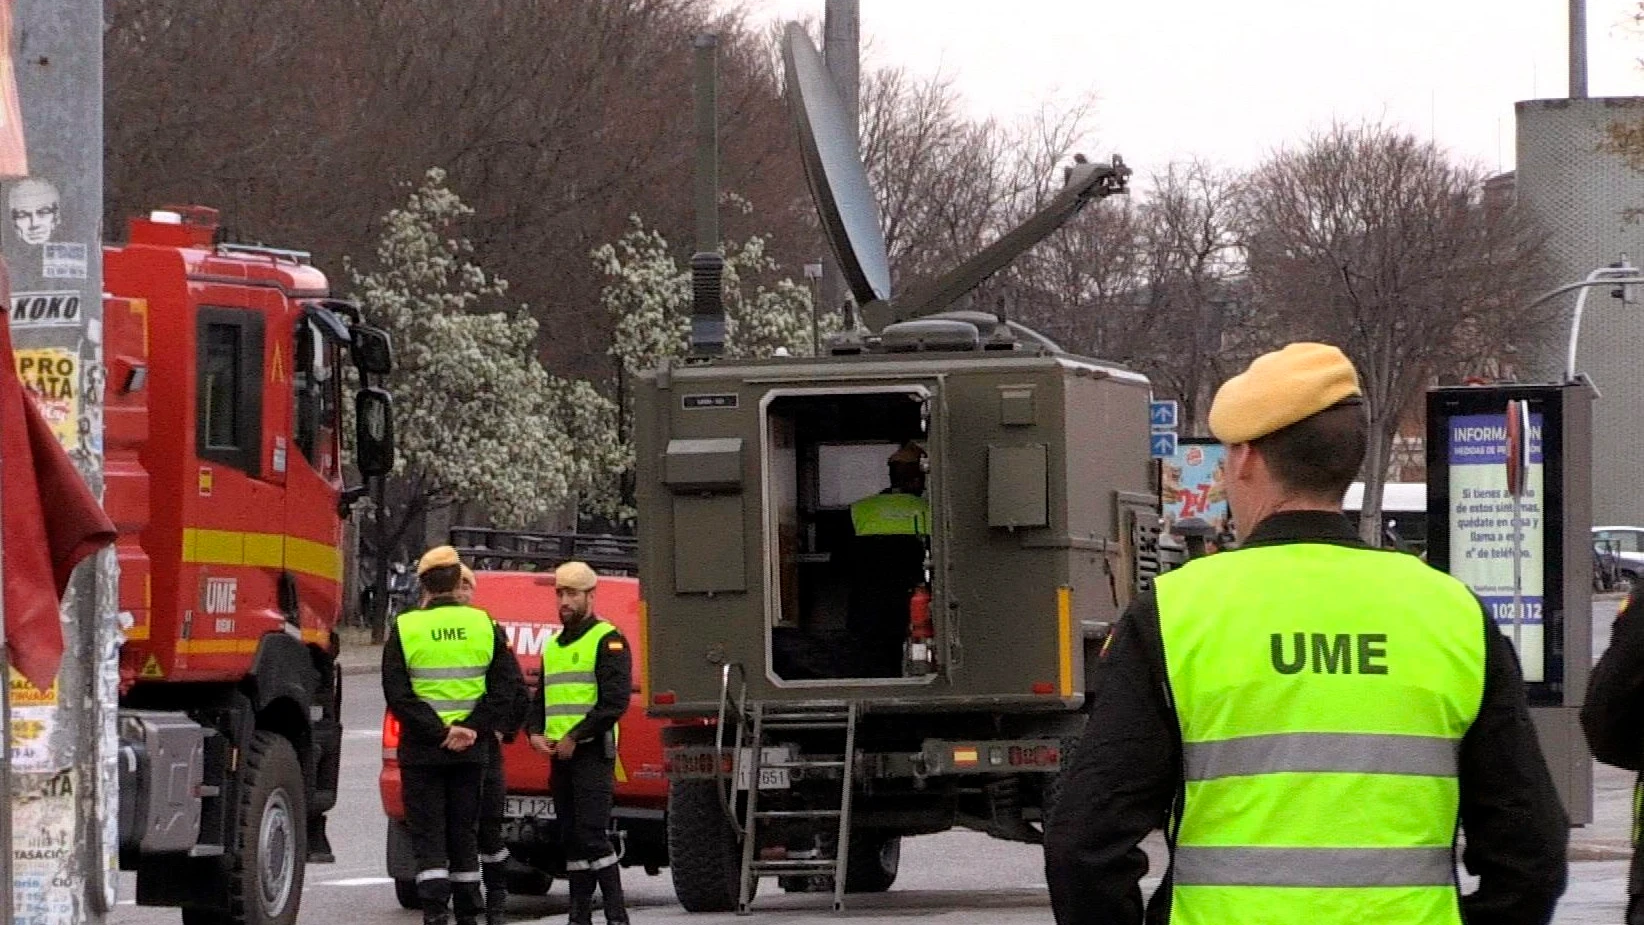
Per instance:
(765,718)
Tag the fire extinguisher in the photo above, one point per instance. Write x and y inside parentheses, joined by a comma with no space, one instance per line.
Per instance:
(920,632)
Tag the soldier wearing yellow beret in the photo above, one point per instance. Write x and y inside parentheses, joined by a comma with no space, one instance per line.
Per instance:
(587,682)
(451,681)
(1308,716)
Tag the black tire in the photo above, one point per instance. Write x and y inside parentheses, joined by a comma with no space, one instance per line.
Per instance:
(273,809)
(406,892)
(704,853)
(872,862)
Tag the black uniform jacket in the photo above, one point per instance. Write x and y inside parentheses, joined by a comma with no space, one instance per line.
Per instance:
(422,731)
(1613,714)
(613,671)
(1127,773)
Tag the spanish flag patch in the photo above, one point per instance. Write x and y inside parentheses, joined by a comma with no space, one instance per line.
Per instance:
(615,645)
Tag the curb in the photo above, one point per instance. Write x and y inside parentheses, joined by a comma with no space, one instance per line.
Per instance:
(1598,852)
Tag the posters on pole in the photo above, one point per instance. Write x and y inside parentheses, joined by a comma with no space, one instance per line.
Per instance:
(33,721)
(53,375)
(1482,530)
(1193,484)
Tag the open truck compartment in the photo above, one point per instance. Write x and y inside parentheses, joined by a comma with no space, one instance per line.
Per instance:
(746,482)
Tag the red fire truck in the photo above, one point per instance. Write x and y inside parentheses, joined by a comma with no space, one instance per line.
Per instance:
(225,477)
(515,584)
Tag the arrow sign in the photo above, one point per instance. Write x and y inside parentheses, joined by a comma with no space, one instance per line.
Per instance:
(1163,445)
(1162,414)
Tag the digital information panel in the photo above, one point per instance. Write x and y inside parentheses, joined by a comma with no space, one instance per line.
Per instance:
(1471,530)
(1484,537)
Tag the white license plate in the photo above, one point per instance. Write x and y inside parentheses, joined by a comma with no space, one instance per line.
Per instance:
(769,778)
(529,808)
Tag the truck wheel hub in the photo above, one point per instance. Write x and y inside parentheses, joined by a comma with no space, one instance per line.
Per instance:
(277,864)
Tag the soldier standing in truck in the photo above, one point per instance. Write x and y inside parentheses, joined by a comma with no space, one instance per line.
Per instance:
(446,678)
(587,674)
(887,562)
(1308,717)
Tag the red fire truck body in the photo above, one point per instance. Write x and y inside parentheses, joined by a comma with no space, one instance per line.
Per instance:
(224,476)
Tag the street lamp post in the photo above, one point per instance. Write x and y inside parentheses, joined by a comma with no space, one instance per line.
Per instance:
(1622,275)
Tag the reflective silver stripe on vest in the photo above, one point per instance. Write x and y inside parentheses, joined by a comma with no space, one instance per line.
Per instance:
(569,677)
(445,706)
(567,709)
(458,673)
(1321,752)
(1198,865)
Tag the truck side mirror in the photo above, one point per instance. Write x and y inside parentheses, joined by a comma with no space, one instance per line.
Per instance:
(372,350)
(374,432)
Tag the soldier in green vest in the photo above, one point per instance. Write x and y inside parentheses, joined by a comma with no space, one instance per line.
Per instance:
(1306,718)
(587,674)
(887,561)
(449,678)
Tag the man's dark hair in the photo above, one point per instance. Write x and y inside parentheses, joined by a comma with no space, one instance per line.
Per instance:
(1318,456)
(441,580)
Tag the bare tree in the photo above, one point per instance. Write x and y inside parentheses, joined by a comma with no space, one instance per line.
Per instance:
(1197,301)
(1372,240)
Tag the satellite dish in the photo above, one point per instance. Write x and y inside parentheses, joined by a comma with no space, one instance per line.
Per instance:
(833,167)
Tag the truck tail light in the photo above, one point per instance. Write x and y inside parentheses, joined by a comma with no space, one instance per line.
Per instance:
(1043,688)
(664,698)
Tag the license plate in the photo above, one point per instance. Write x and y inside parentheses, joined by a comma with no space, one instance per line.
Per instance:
(529,808)
(769,778)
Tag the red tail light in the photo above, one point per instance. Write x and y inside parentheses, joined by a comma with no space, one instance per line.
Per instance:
(1043,687)
(390,730)
(664,698)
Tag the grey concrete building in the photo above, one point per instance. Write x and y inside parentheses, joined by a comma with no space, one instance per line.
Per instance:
(1582,194)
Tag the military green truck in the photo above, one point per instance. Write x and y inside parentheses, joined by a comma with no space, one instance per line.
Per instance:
(783,763)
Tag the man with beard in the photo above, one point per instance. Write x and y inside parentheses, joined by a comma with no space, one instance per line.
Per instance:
(586,684)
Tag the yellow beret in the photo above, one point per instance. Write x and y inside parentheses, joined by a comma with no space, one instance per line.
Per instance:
(438,557)
(468,576)
(1281,388)
(575,575)
(909,454)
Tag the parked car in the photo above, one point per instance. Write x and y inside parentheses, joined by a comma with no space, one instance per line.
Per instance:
(1618,554)
(515,584)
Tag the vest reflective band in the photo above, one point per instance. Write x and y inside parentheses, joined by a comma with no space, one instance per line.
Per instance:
(447,652)
(1322,692)
(891,514)
(569,687)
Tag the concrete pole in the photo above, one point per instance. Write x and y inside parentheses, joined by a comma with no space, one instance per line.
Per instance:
(63,782)
(1578,49)
(842,52)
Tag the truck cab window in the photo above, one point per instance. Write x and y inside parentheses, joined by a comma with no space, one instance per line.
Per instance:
(219,411)
(316,399)
(229,388)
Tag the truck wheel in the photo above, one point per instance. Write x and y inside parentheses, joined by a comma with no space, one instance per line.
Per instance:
(406,892)
(872,862)
(704,854)
(265,875)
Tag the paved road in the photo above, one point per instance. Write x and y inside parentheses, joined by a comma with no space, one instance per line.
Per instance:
(957,877)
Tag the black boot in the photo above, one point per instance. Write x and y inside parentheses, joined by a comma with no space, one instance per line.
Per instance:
(582,897)
(435,912)
(496,892)
(610,889)
(465,898)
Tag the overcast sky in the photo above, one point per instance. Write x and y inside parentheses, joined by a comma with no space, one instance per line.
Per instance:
(1229,81)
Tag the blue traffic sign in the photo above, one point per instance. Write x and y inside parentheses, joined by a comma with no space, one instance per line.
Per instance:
(1163,444)
(1162,414)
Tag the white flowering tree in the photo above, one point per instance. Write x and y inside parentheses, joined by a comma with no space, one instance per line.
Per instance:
(648,292)
(476,417)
